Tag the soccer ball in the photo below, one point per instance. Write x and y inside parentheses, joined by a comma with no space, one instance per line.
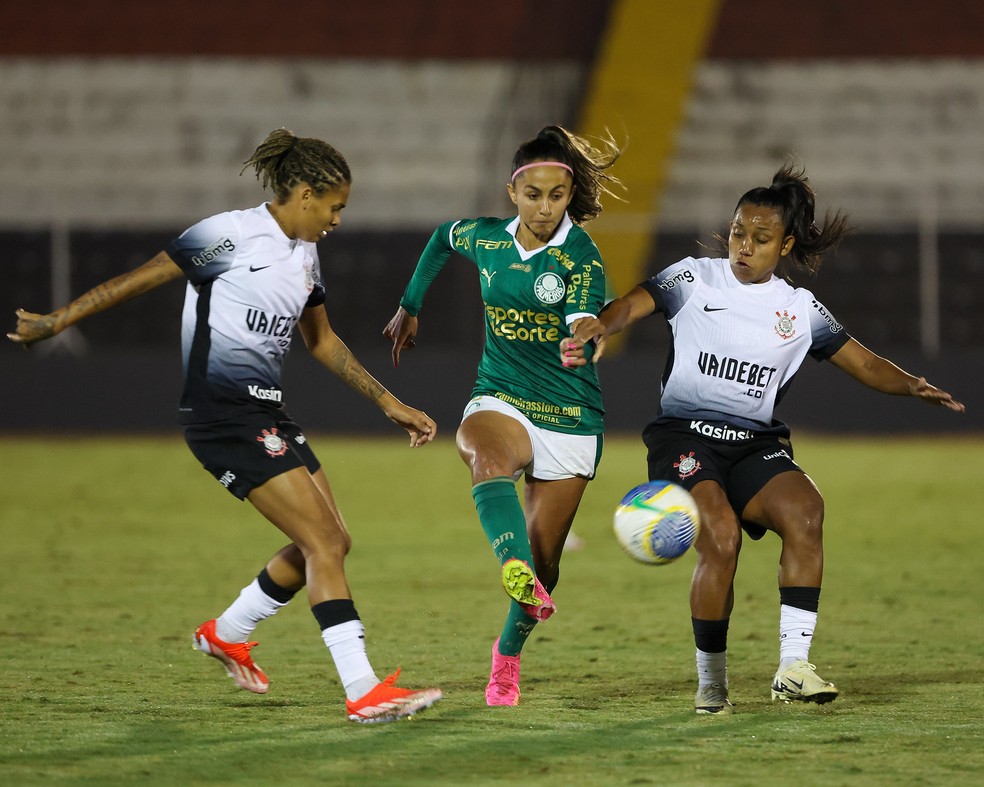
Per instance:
(656,522)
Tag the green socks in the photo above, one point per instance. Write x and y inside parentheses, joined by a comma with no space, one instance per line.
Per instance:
(502,519)
(516,631)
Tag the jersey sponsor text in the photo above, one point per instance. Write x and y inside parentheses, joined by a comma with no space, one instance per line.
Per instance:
(524,325)
(721,432)
(834,325)
(269,324)
(544,412)
(493,245)
(206,255)
(744,372)
(670,283)
(266,394)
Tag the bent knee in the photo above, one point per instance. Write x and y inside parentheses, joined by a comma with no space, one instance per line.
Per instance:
(324,541)
(801,520)
(719,541)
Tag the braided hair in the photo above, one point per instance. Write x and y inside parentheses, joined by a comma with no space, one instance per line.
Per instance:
(283,161)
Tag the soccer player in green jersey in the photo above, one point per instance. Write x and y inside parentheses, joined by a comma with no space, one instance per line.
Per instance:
(540,273)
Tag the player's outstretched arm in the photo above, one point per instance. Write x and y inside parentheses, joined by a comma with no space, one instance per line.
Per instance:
(326,346)
(616,316)
(33,327)
(883,375)
(401,330)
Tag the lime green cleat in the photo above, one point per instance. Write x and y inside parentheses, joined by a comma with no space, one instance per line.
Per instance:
(521,584)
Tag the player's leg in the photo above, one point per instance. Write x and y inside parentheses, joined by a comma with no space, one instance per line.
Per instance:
(227,636)
(791,505)
(712,594)
(301,505)
(550,510)
(243,456)
(679,455)
(496,447)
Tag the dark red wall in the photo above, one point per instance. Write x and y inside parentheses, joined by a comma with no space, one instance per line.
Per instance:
(411,29)
(458,29)
(793,29)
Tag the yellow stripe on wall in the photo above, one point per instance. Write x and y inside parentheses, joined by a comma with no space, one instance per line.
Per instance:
(638,90)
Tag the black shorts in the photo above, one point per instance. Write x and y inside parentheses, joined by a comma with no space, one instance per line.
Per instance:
(741,461)
(250,450)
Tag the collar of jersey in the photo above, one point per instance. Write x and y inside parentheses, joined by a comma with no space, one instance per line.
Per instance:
(558,239)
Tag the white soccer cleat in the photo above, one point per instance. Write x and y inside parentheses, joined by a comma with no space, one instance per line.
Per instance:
(713,698)
(800,683)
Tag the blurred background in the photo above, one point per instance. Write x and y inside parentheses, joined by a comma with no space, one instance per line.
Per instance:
(122,123)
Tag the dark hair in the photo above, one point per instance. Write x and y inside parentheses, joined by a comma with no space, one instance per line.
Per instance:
(284,161)
(588,162)
(792,195)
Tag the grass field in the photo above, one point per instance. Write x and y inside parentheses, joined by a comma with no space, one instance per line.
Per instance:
(114,549)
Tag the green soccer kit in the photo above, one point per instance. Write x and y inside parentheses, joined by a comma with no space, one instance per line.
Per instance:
(529,299)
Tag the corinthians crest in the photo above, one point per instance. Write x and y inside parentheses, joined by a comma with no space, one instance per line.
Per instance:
(785,328)
(273,443)
(687,465)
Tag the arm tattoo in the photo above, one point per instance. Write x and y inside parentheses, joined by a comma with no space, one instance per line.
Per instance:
(353,374)
(119,289)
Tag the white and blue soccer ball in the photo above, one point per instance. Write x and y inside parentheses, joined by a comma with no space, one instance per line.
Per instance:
(656,522)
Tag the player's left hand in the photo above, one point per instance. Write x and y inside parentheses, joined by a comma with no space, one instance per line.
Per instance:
(419,425)
(933,395)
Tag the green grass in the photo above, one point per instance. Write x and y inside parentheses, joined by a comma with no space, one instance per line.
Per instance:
(114,549)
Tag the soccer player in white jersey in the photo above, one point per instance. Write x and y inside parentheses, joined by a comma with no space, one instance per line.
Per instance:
(739,335)
(252,277)
(539,271)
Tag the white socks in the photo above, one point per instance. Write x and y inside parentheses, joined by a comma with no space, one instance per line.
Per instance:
(252,606)
(347,644)
(712,668)
(796,627)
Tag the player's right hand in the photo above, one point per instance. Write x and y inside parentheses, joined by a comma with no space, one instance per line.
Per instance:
(32,327)
(401,330)
(583,330)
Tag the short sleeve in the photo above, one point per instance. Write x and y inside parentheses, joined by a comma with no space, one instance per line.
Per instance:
(207,249)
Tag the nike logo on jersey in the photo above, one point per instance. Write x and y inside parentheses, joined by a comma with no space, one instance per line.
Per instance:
(715,308)
(253,269)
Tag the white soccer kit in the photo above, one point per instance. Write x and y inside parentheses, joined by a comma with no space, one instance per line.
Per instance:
(248,285)
(736,347)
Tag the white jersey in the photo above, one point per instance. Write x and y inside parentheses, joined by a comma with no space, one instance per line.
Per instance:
(248,284)
(736,347)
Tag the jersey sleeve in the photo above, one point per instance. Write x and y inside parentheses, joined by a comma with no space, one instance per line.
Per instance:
(672,287)
(450,236)
(586,286)
(828,335)
(317,296)
(206,249)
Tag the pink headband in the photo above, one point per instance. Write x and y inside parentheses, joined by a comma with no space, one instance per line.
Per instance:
(540,164)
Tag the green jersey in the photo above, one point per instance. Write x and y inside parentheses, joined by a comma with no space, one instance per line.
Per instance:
(530,300)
